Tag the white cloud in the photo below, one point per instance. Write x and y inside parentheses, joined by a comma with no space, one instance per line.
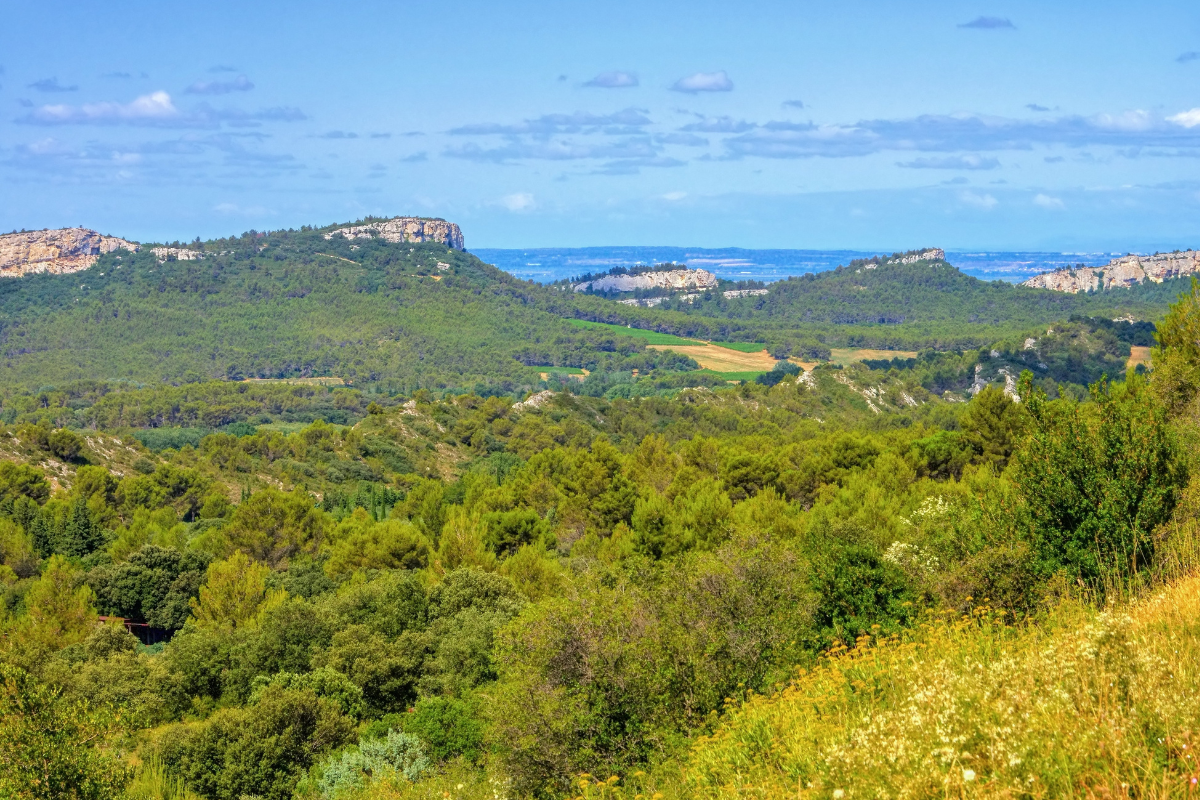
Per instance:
(519,202)
(616,79)
(704,82)
(984,201)
(156,109)
(674,196)
(1046,201)
(1188,119)
(155,106)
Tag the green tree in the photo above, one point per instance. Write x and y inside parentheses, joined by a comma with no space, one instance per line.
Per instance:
(993,424)
(1097,479)
(52,748)
(273,526)
(233,594)
(82,534)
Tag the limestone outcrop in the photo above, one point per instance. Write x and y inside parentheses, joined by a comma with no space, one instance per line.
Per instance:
(1119,273)
(178,253)
(59,252)
(932,254)
(671,280)
(406,229)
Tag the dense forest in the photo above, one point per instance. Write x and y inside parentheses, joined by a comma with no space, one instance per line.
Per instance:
(968,572)
(395,318)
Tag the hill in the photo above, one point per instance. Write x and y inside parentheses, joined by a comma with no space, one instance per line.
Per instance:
(922,302)
(400,315)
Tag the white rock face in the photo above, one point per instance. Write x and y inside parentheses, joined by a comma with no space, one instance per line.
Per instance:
(651,302)
(732,293)
(535,401)
(406,229)
(1119,273)
(932,254)
(59,252)
(674,279)
(178,253)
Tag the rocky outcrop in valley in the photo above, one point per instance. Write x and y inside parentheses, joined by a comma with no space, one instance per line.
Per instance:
(406,229)
(671,280)
(59,252)
(1119,273)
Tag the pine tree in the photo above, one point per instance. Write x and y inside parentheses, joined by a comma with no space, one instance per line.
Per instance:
(81,535)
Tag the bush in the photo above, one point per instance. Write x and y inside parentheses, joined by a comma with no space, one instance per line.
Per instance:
(448,726)
(324,682)
(53,748)
(1097,480)
(262,750)
(397,753)
(65,444)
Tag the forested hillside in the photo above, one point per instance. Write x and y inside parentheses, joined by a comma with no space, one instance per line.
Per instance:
(472,597)
(293,304)
(397,317)
(923,303)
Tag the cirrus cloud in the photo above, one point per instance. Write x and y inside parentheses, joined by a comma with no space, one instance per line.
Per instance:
(989,24)
(51,85)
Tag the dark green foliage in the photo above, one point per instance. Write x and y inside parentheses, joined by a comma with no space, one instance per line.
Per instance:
(262,750)
(65,444)
(153,586)
(943,455)
(860,593)
(448,727)
(778,373)
(993,426)
(52,748)
(81,534)
(1096,480)
(508,530)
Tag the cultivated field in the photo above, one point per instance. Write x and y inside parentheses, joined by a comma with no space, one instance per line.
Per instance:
(1138,355)
(722,359)
(846,356)
(300,381)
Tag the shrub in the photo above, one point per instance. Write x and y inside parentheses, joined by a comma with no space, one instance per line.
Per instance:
(449,727)
(53,748)
(1097,480)
(396,753)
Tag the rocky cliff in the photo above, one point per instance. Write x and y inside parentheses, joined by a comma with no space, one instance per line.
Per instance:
(932,254)
(59,251)
(1119,273)
(672,280)
(406,229)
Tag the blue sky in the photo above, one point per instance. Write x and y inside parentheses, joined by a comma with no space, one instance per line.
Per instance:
(866,125)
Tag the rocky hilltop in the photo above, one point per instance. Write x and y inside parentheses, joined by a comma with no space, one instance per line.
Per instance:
(671,280)
(932,254)
(58,251)
(1119,273)
(406,229)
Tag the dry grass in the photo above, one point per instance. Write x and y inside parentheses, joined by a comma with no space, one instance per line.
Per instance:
(300,381)
(846,356)
(1086,704)
(1138,355)
(722,359)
